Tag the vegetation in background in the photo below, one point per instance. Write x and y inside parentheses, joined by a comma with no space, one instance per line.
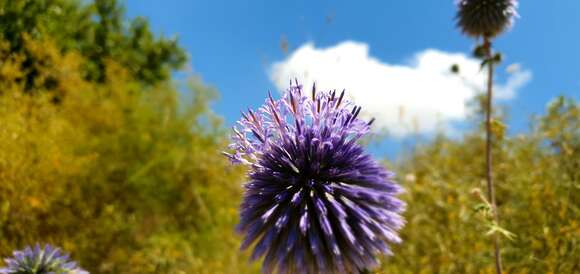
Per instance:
(538,186)
(97,30)
(127,179)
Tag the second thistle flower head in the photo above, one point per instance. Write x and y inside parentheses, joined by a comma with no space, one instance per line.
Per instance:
(40,260)
(485,18)
(315,201)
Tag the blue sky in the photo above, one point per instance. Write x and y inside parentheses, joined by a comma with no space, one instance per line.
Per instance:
(233,44)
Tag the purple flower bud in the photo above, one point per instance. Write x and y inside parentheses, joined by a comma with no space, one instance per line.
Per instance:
(315,201)
(40,260)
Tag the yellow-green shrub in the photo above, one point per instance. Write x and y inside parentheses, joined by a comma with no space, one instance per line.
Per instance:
(538,191)
(129,180)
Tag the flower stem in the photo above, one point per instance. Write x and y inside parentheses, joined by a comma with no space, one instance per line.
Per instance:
(488,147)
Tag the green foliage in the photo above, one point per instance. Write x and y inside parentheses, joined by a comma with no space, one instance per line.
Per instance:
(538,189)
(133,182)
(97,30)
(127,181)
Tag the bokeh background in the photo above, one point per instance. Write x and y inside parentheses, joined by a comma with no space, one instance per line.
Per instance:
(113,115)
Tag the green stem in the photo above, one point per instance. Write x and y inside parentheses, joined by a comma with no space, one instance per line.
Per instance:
(488,154)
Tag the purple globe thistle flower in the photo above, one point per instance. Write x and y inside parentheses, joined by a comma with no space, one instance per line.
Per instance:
(315,201)
(40,260)
(485,18)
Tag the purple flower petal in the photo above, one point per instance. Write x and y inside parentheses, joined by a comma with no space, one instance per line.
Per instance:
(315,202)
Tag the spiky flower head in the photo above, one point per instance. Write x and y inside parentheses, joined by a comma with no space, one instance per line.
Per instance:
(40,260)
(315,201)
(485,18)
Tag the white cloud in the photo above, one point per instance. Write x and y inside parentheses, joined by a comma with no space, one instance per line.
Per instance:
(418,96)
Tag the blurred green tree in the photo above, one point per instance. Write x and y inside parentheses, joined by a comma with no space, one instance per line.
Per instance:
(97,29)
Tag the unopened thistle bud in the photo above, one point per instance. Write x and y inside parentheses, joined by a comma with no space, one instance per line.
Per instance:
(485,18)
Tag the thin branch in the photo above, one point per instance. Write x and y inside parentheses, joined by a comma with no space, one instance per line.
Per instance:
(488,148)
